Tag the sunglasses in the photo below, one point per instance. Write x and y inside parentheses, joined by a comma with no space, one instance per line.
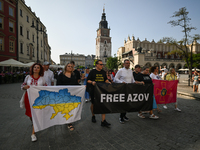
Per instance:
(101,64)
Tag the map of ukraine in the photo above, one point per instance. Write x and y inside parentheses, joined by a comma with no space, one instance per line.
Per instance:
(61,101)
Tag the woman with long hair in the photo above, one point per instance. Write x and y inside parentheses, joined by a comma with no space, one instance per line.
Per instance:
(67,77)
(172,76)
(154,75)
(195,79)
(34,79)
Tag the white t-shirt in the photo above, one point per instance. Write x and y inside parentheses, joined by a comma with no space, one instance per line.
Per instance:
(155,76)
(124,75)
(49,77)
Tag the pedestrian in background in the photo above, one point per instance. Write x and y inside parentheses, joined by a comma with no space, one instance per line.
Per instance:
(195,79)
(48,74)
(67,77)
(34,79)
(84,77)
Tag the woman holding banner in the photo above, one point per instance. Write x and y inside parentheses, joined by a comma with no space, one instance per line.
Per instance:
(154,75)
(144,76)
(34,79)
(172,76)
(67,77)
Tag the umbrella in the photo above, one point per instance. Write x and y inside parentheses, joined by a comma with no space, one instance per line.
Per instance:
(29,64)
(12,63)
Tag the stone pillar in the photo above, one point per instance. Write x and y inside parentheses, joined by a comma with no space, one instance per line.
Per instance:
(139,59)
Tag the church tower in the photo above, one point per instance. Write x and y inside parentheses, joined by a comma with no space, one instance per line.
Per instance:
(103,40)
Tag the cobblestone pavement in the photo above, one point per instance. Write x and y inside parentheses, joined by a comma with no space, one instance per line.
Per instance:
(173,131)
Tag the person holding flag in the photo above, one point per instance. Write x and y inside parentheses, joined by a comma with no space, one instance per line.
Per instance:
(172,76)
(34,79)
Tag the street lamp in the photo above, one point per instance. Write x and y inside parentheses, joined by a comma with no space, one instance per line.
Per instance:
(38,30)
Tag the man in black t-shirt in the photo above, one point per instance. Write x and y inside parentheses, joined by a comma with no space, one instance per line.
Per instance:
(137,71)
(76,72)
(97,76)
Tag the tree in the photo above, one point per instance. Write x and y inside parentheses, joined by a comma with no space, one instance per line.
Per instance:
(196,61)
(113,62)
(182,48)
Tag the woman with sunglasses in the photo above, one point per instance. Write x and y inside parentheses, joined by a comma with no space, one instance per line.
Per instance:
(67,77)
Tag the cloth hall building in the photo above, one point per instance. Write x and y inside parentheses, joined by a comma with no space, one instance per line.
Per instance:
(152,54)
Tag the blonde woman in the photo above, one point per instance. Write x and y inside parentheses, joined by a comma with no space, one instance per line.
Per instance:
(172,76)
(67,77)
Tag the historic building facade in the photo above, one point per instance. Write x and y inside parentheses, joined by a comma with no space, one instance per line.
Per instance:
(103,40)
(153,53)
(79,59)
(8,30)
(32,37)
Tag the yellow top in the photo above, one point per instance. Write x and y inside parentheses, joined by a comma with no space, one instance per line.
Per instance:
(171,77)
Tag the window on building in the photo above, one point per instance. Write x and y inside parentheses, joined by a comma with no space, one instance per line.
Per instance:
(11,11)
(166,56)
(105,42)
(20,12)
(11,46)
(21,30)
(33,37)
(11,26)
(27,50)
(172,56)
(159,56)
(1,22)
(33,52)
(1,44)
(21,48)
(41,54)
(27,18)
(27,34)
(1,6)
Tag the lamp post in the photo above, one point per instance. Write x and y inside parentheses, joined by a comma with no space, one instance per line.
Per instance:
(37,31)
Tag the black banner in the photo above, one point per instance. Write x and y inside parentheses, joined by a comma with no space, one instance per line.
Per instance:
(121,98)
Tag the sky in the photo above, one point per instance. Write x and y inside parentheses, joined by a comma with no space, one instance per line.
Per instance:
(72,24)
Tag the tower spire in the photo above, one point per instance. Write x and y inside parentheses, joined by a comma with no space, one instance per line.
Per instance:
(104,8)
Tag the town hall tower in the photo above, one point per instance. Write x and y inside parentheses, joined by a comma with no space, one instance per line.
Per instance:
(103,40)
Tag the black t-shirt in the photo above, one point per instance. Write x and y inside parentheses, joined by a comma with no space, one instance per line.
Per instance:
(143,77)
(63,80)
(77,74)
(97,76)
(135,74)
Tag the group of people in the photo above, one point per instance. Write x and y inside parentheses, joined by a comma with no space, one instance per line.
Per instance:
(43,76)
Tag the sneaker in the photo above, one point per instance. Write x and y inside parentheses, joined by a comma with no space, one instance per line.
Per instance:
(177,109)
(105,123)
(141,116)
(165,107)
(152,116)
(121,120)
(33,138)
(126,119)
(93,119)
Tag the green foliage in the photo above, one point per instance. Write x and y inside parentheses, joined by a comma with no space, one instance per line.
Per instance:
(113,62)
(94,62)
(195,60)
